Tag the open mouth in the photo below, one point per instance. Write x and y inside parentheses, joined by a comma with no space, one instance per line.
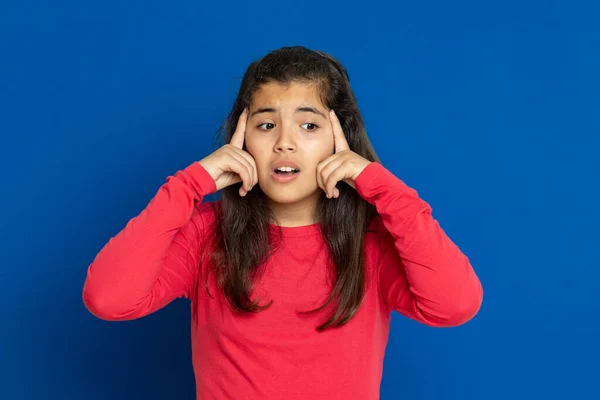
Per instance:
(286,171)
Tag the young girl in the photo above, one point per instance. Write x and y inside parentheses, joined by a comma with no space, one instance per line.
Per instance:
(293,274)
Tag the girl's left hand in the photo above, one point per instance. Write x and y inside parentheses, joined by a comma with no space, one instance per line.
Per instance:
(343,164)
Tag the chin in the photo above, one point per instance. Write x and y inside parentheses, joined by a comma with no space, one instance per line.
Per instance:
(282,198)
(289,195)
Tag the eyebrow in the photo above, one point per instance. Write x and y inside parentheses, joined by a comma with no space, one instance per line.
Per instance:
(299,109)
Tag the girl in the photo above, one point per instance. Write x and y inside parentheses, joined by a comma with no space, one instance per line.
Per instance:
(293,274)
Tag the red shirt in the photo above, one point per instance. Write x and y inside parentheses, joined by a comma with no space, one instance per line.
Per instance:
(412,268)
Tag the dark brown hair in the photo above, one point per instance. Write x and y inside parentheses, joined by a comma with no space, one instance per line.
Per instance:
(242,230)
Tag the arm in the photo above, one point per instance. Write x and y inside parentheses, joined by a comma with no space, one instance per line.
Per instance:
(422,273)
(154,259)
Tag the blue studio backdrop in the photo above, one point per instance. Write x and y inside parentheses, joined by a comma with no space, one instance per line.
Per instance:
(488,109)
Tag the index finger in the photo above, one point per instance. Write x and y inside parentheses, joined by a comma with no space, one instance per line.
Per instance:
(339,139)
(237,140)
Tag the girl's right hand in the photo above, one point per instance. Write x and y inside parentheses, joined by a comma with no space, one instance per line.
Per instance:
(230,164)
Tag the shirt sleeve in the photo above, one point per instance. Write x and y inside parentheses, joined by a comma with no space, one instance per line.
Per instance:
(423,275)
(154,258)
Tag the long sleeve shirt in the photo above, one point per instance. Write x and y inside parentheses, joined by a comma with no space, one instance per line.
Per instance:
(412,267)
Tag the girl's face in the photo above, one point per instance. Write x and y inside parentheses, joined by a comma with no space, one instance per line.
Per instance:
(287,124)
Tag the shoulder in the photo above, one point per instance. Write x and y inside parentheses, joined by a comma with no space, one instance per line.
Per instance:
(376,229)
(203,218)
(373,238)
(206,210)
(378,240)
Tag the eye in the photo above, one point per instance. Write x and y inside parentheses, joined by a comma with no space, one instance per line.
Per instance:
(266,123)
(315,126)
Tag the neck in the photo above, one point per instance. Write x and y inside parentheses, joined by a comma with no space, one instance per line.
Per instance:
(300,213)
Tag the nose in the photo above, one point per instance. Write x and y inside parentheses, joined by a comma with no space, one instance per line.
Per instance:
(285,141)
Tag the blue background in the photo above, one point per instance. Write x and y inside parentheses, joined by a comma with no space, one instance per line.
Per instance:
(489,110)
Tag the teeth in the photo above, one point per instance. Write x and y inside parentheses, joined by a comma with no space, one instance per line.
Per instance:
(286,169)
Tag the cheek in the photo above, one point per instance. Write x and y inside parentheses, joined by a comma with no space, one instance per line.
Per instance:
(253,146)
(250,142)
(260,155)
(320,150)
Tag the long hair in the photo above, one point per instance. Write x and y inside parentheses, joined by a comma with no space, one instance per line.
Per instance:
(242,240)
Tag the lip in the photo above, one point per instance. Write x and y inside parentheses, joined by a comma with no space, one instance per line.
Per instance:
(284,163)
(284,178)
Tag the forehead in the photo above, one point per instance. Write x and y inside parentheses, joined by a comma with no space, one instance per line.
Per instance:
(276,94)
